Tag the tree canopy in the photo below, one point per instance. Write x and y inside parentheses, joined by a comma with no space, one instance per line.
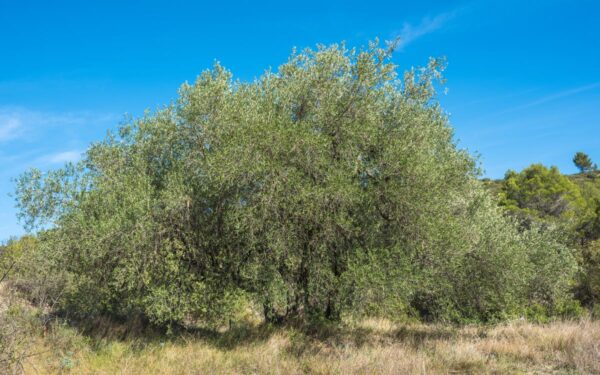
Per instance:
(542,192)
(328,187)
(583,162)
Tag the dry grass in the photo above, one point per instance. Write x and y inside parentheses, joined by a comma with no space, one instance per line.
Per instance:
(371,347)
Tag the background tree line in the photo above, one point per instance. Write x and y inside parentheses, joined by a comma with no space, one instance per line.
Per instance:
(571,204)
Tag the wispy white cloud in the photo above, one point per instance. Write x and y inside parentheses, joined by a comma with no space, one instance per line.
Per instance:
(10,127)
(61,157)
(18,122)
(552,97)
(410,32)
(533,103)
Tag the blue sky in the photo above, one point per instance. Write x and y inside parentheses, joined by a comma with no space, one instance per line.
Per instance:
(523,76)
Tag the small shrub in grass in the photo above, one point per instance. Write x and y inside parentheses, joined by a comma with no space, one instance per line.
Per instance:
(19,326)
(565,309)
(537,313)
(569,309)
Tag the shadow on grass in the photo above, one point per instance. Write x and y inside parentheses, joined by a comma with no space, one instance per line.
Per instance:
(317,338)
(304,338)
(101,330)
(416,336)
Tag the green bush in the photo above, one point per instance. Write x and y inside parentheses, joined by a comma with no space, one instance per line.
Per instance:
(589,277)
(542,192)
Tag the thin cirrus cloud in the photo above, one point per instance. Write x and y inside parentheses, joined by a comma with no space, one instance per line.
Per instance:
(553,97)
(18,122)
(534,103)
(410,32)
(10,127)
(61,157)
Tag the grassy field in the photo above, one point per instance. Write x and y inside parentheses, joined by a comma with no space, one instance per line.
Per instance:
(368,347)
(372,346)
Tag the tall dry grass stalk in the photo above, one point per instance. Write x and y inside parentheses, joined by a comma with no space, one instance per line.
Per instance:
(370,347)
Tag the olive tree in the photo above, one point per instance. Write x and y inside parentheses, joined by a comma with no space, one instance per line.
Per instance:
(330,186)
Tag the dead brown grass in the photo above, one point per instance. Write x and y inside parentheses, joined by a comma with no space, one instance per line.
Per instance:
(370,347)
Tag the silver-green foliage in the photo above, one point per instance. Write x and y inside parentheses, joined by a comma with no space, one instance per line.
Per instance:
(328,187)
